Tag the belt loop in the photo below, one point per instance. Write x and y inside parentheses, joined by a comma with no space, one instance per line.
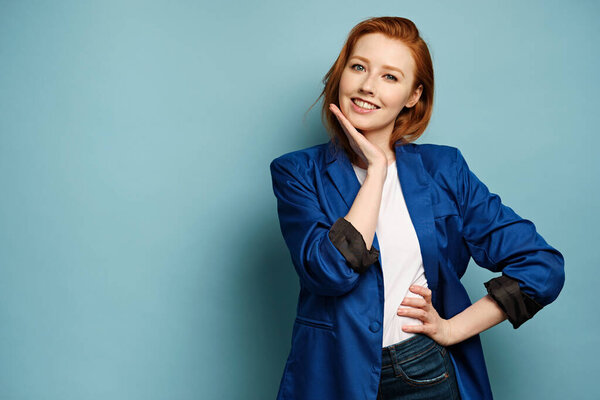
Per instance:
(394,357)
(386,352)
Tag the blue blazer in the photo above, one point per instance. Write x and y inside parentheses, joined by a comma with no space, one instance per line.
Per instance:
(337,334)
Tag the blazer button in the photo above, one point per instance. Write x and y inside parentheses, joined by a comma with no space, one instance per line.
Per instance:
(374,327)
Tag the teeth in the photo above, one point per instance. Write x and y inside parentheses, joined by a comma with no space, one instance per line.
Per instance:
(362,104)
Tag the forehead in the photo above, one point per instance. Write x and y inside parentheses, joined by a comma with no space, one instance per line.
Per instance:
(382,50)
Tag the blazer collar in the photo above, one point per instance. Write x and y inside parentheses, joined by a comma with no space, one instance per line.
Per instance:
(415,184)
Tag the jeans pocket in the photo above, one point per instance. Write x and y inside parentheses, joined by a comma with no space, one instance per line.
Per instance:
(425,368)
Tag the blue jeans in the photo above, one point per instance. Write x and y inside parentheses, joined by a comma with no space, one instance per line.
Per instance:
(417,368)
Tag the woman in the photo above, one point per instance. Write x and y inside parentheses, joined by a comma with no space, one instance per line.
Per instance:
(380,231)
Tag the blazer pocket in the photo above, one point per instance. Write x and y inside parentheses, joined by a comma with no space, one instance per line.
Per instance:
(314,323)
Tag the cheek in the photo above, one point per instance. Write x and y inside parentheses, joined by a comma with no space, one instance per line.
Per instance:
(345,89)
(344,83)
(396,100)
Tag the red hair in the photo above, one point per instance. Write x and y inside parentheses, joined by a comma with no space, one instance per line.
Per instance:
(410,122)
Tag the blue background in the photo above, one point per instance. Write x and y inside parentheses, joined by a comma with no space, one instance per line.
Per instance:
(140,251)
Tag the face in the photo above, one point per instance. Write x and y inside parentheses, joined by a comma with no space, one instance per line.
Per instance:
(380,71)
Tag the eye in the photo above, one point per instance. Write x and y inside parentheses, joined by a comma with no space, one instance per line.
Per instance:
(392,77)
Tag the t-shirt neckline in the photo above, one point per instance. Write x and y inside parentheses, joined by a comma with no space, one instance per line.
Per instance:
(363,169)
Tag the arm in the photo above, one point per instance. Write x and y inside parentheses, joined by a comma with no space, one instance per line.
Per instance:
(348,233)
(481,315)
(364,212)
(476,318)
(501,241)
(327,260)
(361,220)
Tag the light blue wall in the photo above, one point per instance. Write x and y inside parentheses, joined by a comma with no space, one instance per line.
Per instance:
(140,252)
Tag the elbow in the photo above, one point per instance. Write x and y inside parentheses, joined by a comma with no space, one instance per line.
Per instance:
(324,270)
(555,281)
(546,291)
(318,281)
(521,301)
(328,288)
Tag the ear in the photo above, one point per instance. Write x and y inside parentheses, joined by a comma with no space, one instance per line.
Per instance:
(414,97)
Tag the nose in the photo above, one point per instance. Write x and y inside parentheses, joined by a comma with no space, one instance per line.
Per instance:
(367,86)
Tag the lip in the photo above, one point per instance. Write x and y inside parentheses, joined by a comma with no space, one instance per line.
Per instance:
(359,110)
(366,101)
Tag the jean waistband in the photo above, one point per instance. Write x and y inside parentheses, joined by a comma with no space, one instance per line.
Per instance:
(408,348)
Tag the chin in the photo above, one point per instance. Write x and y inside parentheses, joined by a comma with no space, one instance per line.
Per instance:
(357,125)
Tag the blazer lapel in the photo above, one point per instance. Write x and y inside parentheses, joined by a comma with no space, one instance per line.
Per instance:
(415,185)
(339,169)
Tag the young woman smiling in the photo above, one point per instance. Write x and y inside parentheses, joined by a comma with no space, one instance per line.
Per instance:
(380,231)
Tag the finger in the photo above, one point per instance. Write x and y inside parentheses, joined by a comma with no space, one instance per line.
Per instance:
(350,130)
(337,112)
(417,313)
(414,328)
(340,117)
(423,291)
(414,302)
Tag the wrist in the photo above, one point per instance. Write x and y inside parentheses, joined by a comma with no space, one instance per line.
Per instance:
(453,332)
(377,171)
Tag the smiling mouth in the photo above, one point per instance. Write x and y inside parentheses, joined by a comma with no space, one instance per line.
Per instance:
(364,105)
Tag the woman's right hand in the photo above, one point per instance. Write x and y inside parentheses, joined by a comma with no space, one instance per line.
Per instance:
(371,154)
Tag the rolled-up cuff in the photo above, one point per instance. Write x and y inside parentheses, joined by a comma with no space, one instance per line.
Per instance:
(517,305)
(349,241)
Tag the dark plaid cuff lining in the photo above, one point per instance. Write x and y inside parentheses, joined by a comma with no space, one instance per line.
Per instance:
(351,244)
(517,305)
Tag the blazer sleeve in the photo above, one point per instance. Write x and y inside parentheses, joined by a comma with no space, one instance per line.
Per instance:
(501,241)
(328,258)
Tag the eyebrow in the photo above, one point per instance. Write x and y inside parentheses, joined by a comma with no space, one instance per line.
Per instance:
(384,66)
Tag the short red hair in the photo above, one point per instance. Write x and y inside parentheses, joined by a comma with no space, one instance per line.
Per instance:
(411,122)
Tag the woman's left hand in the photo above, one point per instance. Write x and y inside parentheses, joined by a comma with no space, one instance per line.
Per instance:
(433,326)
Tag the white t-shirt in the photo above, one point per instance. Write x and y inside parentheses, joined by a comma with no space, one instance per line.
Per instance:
(400,255)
